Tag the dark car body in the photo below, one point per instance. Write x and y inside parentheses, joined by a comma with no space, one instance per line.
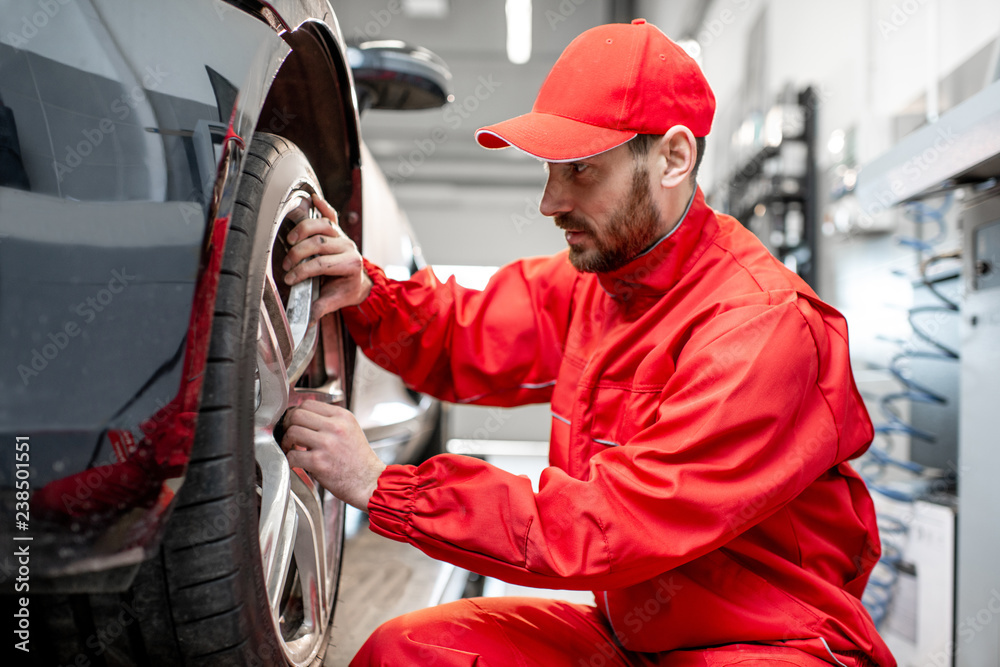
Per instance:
(123,131)
(153,156)
(130,140)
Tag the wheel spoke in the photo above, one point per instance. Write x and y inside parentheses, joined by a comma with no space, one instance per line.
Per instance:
(278,517)
(273,377)
(271,305)
(310,559)
(302,354)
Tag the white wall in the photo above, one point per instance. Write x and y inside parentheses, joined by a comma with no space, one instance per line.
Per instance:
(869,61)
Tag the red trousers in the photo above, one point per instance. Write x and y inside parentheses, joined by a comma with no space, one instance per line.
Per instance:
(529,632)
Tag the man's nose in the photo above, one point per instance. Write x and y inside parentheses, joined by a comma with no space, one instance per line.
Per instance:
(554,199)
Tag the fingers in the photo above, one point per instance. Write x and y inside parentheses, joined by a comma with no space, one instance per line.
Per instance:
(299,438)
(301,459)
(303,419)
(311,226)
(317,244)
(333,296)
(306,424)
(323,207)
(305,432)
(327,441)
(331,266)
(320,249)
(312,406)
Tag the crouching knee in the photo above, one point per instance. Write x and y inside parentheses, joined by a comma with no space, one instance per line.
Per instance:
(425,637)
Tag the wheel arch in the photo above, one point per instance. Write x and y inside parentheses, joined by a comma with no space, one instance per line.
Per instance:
(311,102)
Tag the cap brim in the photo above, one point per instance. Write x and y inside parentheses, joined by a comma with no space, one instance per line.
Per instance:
(551,138)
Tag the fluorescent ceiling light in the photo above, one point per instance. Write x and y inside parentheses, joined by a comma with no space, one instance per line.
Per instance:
(425,9)
(519,31)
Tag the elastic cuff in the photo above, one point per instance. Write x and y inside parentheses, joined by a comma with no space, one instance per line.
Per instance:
(391,505)
(380,300)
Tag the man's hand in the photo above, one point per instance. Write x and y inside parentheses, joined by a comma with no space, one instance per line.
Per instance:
(327,441)
(320,248)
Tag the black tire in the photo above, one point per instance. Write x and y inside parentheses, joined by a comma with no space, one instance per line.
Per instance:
(202,600)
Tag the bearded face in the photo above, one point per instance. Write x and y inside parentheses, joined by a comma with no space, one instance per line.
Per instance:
(633,226)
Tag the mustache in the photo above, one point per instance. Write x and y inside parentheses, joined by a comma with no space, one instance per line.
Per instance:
(571,223)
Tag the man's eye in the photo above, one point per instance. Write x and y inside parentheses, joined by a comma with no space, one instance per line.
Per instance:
(578,167)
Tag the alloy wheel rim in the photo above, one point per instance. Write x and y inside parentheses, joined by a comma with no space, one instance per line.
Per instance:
(297,516)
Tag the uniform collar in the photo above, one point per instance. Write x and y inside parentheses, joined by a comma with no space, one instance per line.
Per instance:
(659,268)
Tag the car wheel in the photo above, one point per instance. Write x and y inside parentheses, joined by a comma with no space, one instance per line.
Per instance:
(248,570)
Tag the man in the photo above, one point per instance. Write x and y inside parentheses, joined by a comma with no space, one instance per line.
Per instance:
(702,401)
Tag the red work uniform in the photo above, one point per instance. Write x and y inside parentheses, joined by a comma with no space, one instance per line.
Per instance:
(703,412)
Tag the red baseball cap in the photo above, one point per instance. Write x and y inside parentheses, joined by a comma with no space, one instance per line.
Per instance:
(611,83)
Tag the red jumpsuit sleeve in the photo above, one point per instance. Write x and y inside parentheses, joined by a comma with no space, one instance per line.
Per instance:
(759,406)
(499,346)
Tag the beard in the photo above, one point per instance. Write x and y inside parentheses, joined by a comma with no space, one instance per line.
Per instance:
(631,229)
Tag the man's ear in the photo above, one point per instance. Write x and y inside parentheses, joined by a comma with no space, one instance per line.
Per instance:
(678,154)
